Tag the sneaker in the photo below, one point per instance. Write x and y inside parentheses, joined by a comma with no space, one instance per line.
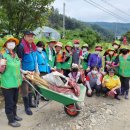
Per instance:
(14,124)
(126,97)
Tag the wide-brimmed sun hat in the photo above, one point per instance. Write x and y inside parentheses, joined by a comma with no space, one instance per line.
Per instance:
(10,38)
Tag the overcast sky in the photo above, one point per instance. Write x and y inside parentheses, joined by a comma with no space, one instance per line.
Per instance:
(82,10)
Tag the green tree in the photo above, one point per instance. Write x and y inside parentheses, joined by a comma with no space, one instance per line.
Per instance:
(106,35)
(86,35)
(18,15)
(74,28)
(56,21)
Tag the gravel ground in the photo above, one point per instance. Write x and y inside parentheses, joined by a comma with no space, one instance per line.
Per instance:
(98,113)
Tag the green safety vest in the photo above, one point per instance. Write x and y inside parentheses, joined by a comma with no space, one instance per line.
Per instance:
(11,78)
(124,66)
(112,59)
(51,62)
(67,65)
(84,63)
(58,65)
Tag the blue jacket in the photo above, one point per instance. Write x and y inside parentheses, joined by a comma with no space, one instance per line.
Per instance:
(42,62)
(28,61)
(95,60)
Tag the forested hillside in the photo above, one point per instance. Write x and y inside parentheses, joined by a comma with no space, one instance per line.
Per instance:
(90,32)
(119,28)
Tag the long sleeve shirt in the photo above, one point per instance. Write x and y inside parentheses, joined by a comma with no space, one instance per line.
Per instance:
(95,60)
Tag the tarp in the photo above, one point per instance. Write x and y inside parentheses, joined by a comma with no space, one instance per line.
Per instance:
(47,32)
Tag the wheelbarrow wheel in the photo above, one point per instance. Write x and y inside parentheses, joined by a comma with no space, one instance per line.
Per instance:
(72,109)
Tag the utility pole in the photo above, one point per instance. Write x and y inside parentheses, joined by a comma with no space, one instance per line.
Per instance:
(64,20)
(116,30)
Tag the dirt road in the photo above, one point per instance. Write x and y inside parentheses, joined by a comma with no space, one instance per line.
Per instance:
(98,114)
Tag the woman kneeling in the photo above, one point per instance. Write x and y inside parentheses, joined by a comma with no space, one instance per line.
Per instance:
(93,81)
(111,84)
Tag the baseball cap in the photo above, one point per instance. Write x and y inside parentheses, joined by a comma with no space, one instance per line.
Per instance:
(28,32)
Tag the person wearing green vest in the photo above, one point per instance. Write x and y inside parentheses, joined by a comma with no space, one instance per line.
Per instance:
(123,63)
(110,58)
(84,58)
(51,53)
(116,45)
(67,58)
(11,79)
(59,56)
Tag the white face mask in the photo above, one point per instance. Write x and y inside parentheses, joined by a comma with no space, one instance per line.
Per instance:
(94,72)
(97,52)
(115,46)
(10,45)
(39,49)
(85,50)
(76,45)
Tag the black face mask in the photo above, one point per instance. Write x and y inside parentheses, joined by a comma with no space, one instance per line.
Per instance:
(124,52)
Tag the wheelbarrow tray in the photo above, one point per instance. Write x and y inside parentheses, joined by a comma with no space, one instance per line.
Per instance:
(60,97)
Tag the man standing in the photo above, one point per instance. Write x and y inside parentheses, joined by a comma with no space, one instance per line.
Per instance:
(76,52)
(27,53)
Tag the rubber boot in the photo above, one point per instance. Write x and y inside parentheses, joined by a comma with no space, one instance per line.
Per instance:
(26,105)
(31,104)
(11,120)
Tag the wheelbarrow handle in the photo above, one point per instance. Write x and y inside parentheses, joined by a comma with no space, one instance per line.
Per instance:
(33,87)
(37,92)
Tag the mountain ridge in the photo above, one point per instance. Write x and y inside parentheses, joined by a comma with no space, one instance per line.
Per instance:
(114,27)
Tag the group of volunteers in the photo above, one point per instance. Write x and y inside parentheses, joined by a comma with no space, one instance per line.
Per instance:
(106,75)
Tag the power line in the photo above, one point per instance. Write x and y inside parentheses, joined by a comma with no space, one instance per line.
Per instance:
(101,8)
(109,11)
(105,10)
(115,7)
